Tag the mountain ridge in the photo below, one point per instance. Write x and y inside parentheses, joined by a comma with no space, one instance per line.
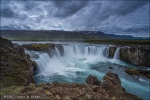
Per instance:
(59,34)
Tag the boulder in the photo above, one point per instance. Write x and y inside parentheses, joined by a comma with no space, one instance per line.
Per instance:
(92,80)
(112,85)
(111,81)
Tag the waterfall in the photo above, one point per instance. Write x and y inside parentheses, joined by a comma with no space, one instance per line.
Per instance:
(42,61)
(107,52)
(57,52)
(70,50)
(117,54)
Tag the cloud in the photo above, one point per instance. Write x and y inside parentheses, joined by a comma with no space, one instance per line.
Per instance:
(113,17)
(68,8)
(7,13)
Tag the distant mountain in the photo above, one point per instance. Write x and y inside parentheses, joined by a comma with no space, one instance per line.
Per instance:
(60,35)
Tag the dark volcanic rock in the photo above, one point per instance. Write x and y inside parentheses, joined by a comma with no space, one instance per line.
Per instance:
(112,50)
(110,67)
(138,72)
(136,55)
(111,79)
(112,84)
(92,80)
(15,67)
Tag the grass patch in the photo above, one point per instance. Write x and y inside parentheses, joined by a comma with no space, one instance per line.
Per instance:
(38,47)
(13,90)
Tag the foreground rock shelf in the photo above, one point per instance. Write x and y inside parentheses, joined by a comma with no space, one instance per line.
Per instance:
(109,89)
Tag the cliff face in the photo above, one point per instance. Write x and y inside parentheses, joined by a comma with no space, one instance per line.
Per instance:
(16,68)
(136,55)
(112,50)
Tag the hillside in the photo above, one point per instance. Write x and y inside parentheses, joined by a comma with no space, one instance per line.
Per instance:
(60,35)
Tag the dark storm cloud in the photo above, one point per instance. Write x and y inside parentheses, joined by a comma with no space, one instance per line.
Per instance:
(7,13)
(68,8)
(10,12)
(116,8)
(122,7)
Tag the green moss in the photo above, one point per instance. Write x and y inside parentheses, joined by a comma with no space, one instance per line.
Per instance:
(132,71)
(40,46)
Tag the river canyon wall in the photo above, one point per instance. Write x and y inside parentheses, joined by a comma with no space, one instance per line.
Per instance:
(138,55)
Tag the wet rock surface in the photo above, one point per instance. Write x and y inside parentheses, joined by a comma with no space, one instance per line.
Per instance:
(138,72)
(112,50)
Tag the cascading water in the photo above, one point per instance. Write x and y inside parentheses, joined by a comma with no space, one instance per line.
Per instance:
(42,61)
(117,54)
(57,52)
(79,60)
(74,50)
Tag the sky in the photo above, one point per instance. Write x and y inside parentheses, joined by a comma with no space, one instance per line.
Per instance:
(121,17)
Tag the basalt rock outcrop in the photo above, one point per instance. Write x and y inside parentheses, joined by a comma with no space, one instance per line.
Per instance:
(16,69)
(112,51)
(136,55)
